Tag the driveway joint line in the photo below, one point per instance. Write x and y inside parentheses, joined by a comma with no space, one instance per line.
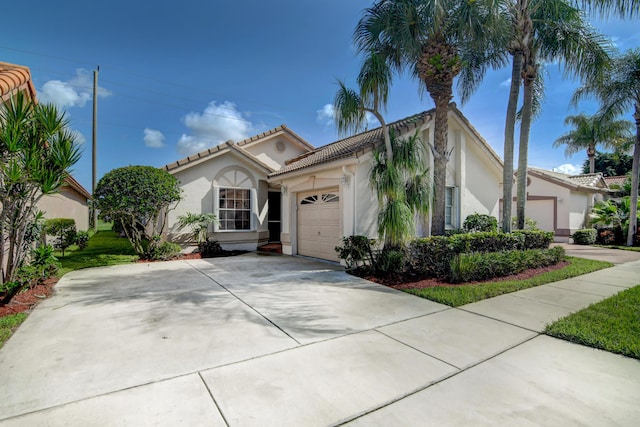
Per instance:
(500,320)
(213,399)
(573,310)
(418,350)
(244,302)
(438,381)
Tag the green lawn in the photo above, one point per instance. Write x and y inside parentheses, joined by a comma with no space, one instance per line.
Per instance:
(104,248)
(458,295)
(612,325)
(8,324)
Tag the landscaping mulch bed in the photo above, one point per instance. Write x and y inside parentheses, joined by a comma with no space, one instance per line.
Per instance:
(28,298)
(413,282)
(197,255)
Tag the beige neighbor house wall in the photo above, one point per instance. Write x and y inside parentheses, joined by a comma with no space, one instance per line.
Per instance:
(474,171)
(71,201)
(233,166)
(561,203)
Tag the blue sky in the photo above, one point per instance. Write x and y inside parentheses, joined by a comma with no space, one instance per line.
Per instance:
(178,77)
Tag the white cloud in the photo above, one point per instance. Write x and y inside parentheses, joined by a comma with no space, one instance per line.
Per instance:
(506,83)
(215,125)
(326,116)
(80,139)
(569,169)
(153,138)
(72,93)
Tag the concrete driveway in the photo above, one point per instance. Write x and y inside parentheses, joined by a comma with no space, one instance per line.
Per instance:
(278,340)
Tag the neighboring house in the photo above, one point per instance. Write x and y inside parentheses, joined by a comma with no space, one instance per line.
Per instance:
(71,199)
(561,203)
(327,195)
(13,79)
(616,183)
(231,180)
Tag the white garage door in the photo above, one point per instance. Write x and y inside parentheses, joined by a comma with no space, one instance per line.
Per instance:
(319,224)
(542,212)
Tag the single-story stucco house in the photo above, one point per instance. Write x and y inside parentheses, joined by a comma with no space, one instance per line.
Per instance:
(232,181)
(275,187)
(561,203)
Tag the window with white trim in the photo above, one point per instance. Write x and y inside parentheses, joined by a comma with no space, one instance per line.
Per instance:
(450,207)
(234,209)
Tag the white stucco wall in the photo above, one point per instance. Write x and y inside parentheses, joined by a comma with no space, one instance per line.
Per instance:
(274,151)
(197,183)
(475,173)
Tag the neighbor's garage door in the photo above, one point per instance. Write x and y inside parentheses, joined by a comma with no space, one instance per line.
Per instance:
(542,212)
(319,224)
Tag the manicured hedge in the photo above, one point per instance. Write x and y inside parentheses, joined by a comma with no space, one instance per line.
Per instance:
(585,237)
(466,267)
(431,256)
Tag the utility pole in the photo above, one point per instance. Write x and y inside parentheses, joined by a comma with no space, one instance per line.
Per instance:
(94,143)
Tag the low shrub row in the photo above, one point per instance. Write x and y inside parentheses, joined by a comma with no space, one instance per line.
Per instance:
(477,266)
(434,256)
(431,256)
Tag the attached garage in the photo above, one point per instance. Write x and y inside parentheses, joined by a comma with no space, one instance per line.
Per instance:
(543,211)
(319,223)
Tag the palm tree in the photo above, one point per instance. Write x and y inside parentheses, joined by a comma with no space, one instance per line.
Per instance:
(590,131)
(403,189)
(432,39)
(352,107)
(621,8)
(619,92)
(552,30)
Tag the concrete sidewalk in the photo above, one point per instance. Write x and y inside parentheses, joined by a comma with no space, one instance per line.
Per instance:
(287,341)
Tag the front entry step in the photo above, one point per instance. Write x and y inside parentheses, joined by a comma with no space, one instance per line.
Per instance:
(271,248)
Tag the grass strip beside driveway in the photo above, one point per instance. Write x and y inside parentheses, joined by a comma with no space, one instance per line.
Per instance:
(8,324)
(458,295)
(612,325)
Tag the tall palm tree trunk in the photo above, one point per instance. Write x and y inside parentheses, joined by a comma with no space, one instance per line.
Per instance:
(509,141)
(591,154)
(439,164)
(529,75)
(633,210)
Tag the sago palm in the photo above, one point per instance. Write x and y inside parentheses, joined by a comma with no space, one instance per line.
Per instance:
(588,132)
(619,92)
(432,38)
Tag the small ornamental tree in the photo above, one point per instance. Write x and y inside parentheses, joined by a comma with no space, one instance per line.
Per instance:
(65,231)
(138,198)
(37,148)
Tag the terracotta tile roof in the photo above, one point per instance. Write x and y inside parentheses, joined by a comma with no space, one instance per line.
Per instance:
(615,180)
(587,181)
(14,78)
(352,145)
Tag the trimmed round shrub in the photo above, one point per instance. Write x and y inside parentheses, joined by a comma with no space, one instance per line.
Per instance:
(480,222)
(585,236)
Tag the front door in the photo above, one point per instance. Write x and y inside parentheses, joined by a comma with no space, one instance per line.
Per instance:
(273,217)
